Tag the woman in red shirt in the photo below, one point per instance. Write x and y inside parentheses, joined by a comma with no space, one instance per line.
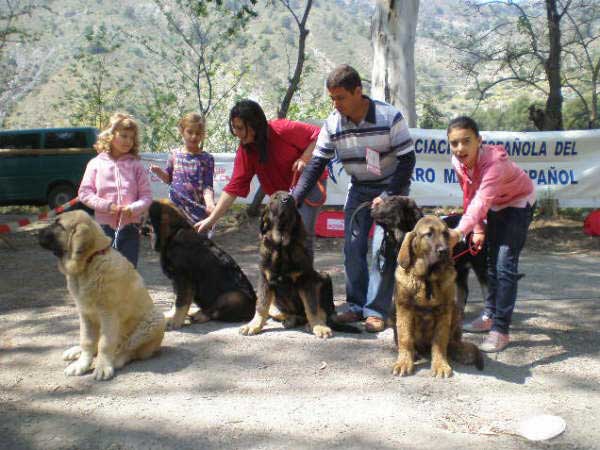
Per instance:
(273,151)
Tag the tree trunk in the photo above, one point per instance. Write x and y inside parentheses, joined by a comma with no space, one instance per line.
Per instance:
(295,80)
(553,119)
(393,33)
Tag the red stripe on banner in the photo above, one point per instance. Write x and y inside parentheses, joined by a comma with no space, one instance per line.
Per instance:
(4,228)
(23,222)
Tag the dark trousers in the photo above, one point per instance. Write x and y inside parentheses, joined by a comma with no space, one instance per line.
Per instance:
(128,241)
(506,233)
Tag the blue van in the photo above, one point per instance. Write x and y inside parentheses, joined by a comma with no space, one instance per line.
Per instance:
(45,165)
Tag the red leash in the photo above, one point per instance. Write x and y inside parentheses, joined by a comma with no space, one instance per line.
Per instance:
(320,185)
(471,249)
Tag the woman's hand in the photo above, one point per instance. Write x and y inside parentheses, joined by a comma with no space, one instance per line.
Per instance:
(204,225)
(299,165)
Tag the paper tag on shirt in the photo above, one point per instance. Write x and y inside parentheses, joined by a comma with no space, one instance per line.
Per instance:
(373,165)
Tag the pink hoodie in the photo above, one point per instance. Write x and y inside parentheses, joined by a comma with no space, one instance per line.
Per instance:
(495,182)
(120,181)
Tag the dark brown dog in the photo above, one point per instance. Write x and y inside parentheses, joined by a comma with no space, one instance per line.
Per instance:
(427,316)
(200,270)
(287,278)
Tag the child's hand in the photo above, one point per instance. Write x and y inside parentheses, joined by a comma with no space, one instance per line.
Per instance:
(155,169)
(126,211)
(209,207)
(478,240)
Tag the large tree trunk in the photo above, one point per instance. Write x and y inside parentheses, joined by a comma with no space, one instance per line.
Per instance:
(393,33)
(553,113)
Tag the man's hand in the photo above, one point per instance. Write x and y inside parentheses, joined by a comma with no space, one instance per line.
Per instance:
(376,201)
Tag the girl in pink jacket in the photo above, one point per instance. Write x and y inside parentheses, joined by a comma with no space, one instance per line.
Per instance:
(495,190)
(115,185)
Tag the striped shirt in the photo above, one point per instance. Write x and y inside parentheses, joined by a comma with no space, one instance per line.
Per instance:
(383,130)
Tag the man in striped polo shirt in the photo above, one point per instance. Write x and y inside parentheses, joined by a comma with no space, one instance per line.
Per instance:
(371,139)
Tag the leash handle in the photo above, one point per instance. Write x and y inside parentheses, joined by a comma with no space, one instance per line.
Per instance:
(470,249)
(321,201)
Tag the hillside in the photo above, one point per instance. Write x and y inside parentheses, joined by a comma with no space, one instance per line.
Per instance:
(339,33)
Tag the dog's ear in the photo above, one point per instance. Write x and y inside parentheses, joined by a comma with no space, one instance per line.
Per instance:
(454,237)
(406,255)
(265,221)
(84,241)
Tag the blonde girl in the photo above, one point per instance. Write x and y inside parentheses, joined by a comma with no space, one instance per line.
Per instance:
(190,171)
(116,186)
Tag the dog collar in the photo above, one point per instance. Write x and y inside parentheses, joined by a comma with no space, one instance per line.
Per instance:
(98,252)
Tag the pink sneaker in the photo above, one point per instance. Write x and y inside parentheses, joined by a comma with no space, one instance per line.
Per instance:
(482,324)
(495,342)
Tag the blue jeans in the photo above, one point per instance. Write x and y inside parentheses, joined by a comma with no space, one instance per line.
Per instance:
(506,233)
(368,292)
(309,217)
(128,241)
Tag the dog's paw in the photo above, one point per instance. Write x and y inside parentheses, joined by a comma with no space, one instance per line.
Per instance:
(199,317)
(78,367)
(103,372)
(72,353)
(173,322)
(250,329)
(404,366)
(441,369)
(322,331)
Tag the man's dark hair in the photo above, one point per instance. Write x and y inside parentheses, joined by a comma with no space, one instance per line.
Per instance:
(254,117)
(463,123)
(344,76)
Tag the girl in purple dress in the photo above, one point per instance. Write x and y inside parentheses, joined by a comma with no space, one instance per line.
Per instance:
(190,171)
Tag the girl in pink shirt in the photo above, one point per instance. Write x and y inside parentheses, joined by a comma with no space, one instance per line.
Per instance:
(496,191)
(115,185)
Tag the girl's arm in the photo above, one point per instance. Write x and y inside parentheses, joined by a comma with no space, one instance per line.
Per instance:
(209,199)
(160,173)
(87,190)
(224,203)
(144,191)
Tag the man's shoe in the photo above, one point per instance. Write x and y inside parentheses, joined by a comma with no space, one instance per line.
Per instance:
(374,324)
(482,324)
(494,342)
(348,316)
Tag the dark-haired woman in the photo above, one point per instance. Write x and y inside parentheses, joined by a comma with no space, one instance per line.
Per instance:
(273,151)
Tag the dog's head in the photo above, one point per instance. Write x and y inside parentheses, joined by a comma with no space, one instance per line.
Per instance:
(428,245)
(397,215)
(281,220)
(164,220)
(73,237)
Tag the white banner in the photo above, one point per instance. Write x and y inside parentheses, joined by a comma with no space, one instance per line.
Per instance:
(564,165)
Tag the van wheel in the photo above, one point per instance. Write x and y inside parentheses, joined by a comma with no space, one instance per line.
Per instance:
(61,194)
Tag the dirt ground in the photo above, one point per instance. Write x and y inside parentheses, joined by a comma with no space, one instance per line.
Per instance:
(211,388)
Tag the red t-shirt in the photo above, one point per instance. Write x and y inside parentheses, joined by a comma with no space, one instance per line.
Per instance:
(286,142)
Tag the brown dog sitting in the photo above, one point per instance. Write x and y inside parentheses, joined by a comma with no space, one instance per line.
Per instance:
(287,276)
(427,316)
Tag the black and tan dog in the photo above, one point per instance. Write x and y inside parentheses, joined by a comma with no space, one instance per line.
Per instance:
(200,270)
(427,316)
(117,318)
(287,278)
(398,215)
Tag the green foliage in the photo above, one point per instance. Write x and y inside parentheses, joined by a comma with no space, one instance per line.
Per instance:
(513,116)
(97,91)
(431,117)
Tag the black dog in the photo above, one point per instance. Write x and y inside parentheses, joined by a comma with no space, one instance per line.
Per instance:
(398,215)
(287,276)
(200,271)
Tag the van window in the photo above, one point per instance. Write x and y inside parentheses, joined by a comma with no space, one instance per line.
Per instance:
(21,140)
(66,139)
